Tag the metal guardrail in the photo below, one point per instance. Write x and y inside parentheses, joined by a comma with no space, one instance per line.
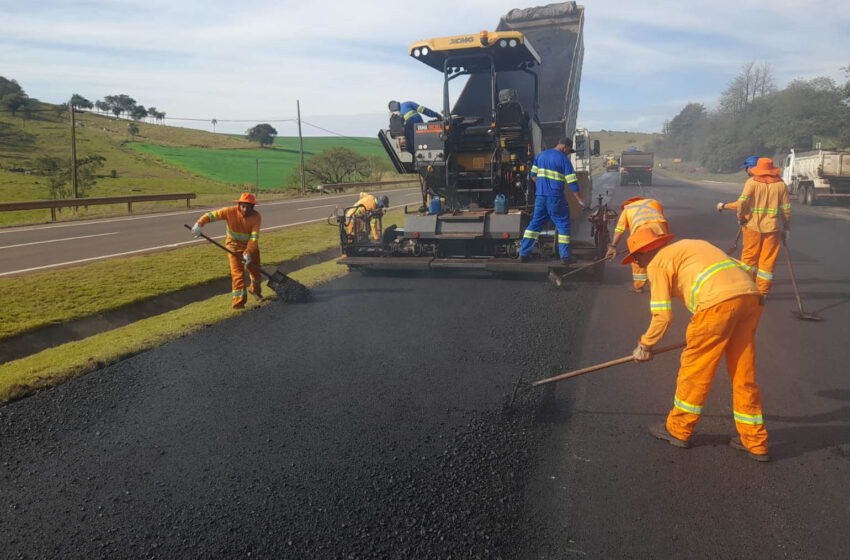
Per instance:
(86,202)
(339,187)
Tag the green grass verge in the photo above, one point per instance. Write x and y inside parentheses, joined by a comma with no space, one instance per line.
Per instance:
(56,365)
(38,300)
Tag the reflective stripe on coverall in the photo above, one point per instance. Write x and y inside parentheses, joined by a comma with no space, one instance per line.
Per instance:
(765,203)
(645,213)
(243,234)
(551,170)
(356,216)
(726,307)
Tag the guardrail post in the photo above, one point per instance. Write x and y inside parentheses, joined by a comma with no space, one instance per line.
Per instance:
(129,207)
(52,214)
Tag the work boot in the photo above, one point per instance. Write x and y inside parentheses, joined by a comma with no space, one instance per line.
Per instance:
(659,430)
(735,443)
(257,293)
(238,306)
(567,261)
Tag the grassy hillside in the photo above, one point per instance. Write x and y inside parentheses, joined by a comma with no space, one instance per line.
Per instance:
(159,159)
(267,167)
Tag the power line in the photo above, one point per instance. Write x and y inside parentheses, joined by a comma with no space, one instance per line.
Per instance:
(355,139)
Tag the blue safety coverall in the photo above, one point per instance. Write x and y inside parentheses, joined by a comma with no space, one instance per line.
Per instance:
(412,112)
(552,168)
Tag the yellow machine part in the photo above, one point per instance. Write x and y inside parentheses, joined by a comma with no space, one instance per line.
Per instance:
(472,161)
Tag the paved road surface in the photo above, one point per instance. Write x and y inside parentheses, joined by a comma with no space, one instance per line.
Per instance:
(34,248)
(373,424)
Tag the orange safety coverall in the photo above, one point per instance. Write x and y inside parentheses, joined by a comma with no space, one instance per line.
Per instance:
(356,216)
(645,213)
(243,235)
(766,208)
(726,307)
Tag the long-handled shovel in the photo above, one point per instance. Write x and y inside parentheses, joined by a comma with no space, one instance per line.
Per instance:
(800,314)
(589,369)
(558,278)
(734,247)
(597,367)
(288,289)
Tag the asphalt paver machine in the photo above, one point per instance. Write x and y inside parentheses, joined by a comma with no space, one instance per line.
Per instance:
(474,161)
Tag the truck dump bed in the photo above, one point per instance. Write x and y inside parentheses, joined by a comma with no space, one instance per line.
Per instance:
(822,163)
(556,33)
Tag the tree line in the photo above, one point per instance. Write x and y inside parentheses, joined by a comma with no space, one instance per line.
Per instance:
(755,117)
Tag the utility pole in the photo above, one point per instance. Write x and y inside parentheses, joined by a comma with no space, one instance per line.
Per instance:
(257,181)
(300,146)
(73,151)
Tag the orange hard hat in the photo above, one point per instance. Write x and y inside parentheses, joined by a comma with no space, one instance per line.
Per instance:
(247,198)
(764,166)
(632,199)
(643,241)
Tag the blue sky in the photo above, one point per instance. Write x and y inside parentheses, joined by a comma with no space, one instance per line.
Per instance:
(251,60)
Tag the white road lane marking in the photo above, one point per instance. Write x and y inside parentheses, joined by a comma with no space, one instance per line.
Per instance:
(149,249)
(58,240)
(199,211)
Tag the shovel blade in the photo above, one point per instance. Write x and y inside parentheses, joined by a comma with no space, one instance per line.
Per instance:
(289,290)
(807,316)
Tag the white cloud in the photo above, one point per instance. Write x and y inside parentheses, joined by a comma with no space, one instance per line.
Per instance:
(253,59)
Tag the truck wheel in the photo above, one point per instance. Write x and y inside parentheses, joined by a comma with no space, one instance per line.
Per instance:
(809,197)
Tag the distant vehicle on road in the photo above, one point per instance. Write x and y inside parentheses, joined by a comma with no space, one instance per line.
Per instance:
(636,167)
(817,175)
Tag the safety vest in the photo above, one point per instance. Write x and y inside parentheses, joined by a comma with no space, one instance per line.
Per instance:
(640,213)
(243,232)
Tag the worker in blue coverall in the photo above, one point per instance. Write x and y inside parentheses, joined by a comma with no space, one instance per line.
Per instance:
(412,113)
(551,170)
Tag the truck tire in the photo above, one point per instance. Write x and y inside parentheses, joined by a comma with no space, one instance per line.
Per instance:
(810,196)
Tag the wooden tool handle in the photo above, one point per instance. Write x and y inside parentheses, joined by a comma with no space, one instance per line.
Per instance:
(597,367)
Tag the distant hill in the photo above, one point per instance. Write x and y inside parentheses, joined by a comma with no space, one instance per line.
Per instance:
(158,159)
(616,142)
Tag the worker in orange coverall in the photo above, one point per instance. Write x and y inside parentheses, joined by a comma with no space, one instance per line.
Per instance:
(764,211)
(726,307)
(638,213)
(243,235)
(355,217)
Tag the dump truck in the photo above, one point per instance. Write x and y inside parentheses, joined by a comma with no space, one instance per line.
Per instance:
(817,175)
(636,167)
(473,162)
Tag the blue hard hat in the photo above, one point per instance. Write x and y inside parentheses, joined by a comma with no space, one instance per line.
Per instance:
(750,162)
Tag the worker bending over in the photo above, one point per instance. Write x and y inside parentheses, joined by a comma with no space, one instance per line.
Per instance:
(638,213)
(552,170)
(357,215)
(243,235)
(726,307)
(764,212)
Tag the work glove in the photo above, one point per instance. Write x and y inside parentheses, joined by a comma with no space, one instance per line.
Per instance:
(582,205)
(786,235)
(742,221)
(642,353)
(196,230)
(720,206)
(246,258)
(611,253)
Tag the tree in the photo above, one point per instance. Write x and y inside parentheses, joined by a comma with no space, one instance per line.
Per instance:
(751,83)
(214,122)
(9,86)
(262,133)
(80,102)
(14,102)
(133,129)
(101,106)
(152,113)
(337,165)
(58,173)
(138,112)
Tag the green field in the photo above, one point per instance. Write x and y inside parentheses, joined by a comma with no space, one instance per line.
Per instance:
(266,168)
